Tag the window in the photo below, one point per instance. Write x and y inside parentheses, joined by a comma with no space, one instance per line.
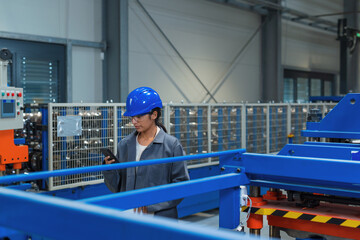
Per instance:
(299,86)
(38,68)
(288,90)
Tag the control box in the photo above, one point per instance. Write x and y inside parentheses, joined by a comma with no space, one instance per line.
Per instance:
(11,108)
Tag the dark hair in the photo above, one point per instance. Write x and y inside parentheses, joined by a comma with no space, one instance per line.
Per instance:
(157,120)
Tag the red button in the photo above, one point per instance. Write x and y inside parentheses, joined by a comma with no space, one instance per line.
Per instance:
(19,94)
(12,94)
(18,113)
(8,94)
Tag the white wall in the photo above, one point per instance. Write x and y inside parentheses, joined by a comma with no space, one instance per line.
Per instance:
(73,19)
(208,36)
(308,48)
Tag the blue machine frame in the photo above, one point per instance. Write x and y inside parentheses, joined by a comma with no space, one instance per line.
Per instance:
(341,122)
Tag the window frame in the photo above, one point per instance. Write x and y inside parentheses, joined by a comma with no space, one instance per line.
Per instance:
(324,77)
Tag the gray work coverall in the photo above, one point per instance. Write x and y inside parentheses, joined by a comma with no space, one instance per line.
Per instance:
(163,146)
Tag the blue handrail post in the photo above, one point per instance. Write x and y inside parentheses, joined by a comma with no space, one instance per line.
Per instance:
(229,199)
(44,141)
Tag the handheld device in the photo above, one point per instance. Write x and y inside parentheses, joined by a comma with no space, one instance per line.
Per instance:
(107,153)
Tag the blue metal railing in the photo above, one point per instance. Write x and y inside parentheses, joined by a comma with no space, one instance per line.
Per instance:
(13,204)
(65,172)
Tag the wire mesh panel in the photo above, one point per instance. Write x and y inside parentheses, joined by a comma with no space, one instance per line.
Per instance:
(277,127)
(201,128)
(225,127)
(256,128)
(328,107)
(298,122)
(79,150)
(189,124)
(124,125)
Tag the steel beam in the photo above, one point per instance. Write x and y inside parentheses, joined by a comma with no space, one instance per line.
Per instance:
(46,39)
(56,218)
(65,172)
(319,151)
(317,172)
(152,195)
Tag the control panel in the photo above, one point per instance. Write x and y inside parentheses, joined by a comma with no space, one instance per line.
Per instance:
(11,108)
(11,98)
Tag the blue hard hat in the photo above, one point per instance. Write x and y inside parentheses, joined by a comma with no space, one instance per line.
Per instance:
(142,100)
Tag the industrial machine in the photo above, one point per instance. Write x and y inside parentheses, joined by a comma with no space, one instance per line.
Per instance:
(302,211)
(11,117)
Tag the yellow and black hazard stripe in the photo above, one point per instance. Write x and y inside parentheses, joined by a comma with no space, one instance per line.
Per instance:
(303,216)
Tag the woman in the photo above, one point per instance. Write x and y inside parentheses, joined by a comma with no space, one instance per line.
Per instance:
(148,141)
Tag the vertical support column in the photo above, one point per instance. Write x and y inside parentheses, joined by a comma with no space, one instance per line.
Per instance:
(200,126)
(69,71)
(117,52)
(166,114)
(104,126)
(229,208)
(63,150)
(350,7)
(209,130)
(272,76)
(229,205)
(50,144)
(254,128)
(177,123)
(238,127)
(289,130)
(228,129)
(268,130)
(220,129)
(243,126)
(115,127)
(187,131)
(44,141)
(284,115)
(119,120)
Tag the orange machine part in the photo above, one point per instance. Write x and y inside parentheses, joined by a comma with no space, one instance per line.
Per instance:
(9,152)
(315,227)
(255,221)
(274,195)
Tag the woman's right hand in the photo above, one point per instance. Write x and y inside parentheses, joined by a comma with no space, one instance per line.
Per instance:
(107,161)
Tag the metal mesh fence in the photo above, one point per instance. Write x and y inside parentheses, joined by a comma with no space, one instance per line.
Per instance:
(201,128)
(97,123)
(256,128)
(189,124)
(225,128)
(278,127)
(298,122)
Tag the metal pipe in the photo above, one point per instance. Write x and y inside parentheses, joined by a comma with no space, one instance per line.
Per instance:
(17,171)
(1,173)
(255,232)
(274,232)
(254,191)
(65,172)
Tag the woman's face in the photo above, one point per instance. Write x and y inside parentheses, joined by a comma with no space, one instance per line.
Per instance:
(144,122)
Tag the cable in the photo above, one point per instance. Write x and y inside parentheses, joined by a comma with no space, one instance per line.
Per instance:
(242,223)
(248,213)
